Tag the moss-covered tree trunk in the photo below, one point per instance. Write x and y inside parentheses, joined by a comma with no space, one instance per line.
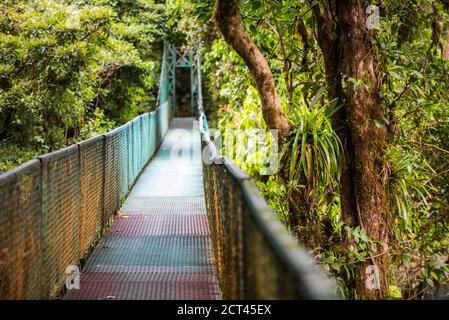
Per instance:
(348,52)
(328,39)
(369,136)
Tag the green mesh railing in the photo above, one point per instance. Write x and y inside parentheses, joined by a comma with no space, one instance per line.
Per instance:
(55,207)
(256,257)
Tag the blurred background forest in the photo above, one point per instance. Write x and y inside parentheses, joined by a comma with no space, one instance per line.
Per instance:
(73,69)
(70,70)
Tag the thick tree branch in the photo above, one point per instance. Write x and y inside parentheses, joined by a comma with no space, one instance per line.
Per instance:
(230,23)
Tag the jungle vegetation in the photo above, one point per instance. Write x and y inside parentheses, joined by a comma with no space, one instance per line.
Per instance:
(73,69)
(358,92)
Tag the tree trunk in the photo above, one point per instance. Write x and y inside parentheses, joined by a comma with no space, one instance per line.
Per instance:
(230,23)
(369,139)
(328,40)
(346,46)
(328,35)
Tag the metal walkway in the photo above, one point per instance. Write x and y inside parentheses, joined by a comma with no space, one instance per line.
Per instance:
(159,246)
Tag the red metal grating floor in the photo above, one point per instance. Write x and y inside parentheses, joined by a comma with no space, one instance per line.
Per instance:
(161,225)
(159,246)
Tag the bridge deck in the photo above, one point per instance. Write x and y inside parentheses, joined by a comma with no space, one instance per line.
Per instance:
(159,246)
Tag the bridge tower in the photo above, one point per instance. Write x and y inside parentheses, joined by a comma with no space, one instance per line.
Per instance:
(176,59)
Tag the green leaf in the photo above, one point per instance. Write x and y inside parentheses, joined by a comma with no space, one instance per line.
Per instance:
(379,123)
(394,292)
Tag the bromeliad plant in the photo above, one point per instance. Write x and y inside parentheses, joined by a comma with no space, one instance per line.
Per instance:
(314,165)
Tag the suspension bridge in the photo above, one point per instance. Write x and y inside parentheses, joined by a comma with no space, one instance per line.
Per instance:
(148,211)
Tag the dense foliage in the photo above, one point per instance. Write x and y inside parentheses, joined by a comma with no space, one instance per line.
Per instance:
(412,48)
(72,69)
